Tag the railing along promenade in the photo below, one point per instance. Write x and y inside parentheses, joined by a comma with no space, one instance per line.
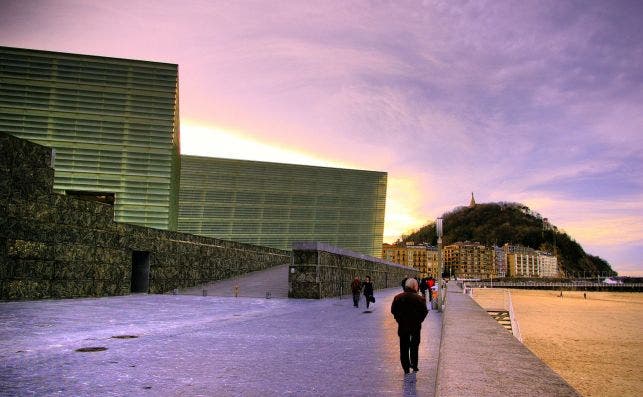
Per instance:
(568,286)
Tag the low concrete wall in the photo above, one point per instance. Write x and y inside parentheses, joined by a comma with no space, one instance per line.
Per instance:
(321,270)
(478,357)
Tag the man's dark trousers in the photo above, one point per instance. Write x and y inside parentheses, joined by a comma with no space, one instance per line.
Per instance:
(409,343)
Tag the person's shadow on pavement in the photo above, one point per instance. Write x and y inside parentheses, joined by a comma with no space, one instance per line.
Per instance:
(408,385)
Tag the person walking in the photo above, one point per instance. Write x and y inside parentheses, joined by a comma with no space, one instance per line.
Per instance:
(368,291)
(403,283)
(431,284)
(409,310)
(424,286)
(356,289)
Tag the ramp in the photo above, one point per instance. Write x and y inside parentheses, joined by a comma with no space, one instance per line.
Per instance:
(269,283)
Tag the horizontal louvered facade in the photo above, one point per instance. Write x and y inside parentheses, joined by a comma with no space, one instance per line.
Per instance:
(275,204)
(113,124)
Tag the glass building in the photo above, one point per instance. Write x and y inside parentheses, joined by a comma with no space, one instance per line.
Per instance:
(114,125)
(274,204)
(112,122)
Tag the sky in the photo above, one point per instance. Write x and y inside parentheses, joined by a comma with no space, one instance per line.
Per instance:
(537,102)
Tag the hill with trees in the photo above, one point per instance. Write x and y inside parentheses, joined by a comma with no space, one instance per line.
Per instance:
(513,223)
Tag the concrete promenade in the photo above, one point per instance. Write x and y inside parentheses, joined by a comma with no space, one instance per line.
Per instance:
(179,345)
(480,358)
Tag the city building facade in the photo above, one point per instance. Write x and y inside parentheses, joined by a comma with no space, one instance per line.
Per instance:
(469,260)
(500,261)
(547,265)
(113,124)
(521,261)
(527,262)
(422,257)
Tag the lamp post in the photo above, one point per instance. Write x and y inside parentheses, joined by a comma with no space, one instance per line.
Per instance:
(549,226)
(438,231)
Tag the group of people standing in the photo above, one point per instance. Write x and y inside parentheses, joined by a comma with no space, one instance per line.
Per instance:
(366,286)
(426,285)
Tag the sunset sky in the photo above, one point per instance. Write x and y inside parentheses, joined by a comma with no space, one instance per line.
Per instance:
(538,102)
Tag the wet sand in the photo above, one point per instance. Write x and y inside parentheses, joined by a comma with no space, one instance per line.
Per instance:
(596,344)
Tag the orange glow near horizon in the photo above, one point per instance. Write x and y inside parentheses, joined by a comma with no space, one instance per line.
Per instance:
(404,197)
(214,141)
(402,208)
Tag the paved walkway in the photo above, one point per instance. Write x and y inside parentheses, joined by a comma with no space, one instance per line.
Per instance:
(208,346)
(254,285)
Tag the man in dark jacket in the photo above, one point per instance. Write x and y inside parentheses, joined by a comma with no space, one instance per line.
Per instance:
(368,291)
(424,286)
(409,310)
(403,283)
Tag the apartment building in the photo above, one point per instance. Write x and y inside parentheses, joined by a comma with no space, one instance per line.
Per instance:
(521,261)
(469,260)
(547,264)
(422,257)
(500,261)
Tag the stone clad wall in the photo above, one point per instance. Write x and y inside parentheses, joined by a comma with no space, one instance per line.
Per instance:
(180,260)
(320,271)
(56,246)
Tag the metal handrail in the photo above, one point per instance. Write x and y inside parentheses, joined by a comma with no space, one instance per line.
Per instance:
(515,329)
(443,291)
(501,284)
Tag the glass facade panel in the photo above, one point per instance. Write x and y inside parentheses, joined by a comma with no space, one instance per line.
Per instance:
(275,204)
(113,123)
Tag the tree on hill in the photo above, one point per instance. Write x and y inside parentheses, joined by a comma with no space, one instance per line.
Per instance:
(516,224)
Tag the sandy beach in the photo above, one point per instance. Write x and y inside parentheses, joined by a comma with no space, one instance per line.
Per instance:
(596,344)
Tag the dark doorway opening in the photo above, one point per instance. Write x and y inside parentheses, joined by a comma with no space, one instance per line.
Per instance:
(140,271)
(101,197)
